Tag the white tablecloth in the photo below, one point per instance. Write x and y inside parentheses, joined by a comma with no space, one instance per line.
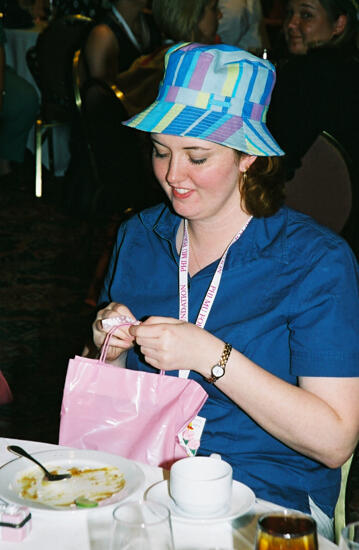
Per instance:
(90,530)
(18,41)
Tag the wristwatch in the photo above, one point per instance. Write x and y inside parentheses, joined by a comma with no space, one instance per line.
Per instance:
(219,368)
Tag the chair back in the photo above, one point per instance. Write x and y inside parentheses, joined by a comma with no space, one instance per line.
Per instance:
(322,186)
(340,508)
(82,125)
(105,142)
(50,62)
(100,112)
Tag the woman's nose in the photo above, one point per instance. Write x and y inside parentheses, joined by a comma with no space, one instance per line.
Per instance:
(174,171)
(292,21)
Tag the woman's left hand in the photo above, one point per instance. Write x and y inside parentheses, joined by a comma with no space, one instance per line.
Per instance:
(171,344)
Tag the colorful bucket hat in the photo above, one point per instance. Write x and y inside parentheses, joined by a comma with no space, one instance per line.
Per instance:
(219,93)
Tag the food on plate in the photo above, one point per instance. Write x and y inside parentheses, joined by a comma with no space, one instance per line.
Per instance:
(95,484)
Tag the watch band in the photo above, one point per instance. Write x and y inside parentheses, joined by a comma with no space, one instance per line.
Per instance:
(221,363)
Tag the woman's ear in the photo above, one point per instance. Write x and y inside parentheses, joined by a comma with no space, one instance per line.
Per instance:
(246,161)
(340,24)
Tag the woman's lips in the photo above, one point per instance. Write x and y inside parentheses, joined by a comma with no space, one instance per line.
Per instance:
(295,38)
(180,193)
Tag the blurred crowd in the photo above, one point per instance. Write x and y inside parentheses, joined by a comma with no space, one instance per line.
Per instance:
(312,43)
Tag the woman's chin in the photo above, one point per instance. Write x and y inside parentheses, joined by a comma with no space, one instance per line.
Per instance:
(186,211)
(297,47)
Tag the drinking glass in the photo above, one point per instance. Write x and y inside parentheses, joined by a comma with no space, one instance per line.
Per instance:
(141,526)
(349,537)
(286,530)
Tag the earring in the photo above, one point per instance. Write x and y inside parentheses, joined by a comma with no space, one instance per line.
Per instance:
(244,177)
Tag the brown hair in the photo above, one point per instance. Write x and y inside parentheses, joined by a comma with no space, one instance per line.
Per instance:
(262,188)
(335,8)
(178,19)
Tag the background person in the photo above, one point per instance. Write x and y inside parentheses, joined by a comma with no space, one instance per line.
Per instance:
(319,73)
(242,24)
(121,35)
(287,296)
(184,20)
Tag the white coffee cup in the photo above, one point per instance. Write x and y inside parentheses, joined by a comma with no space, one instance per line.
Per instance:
(201,486)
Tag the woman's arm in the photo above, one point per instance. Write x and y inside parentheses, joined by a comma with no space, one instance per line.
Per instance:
(102,52)
(320,418)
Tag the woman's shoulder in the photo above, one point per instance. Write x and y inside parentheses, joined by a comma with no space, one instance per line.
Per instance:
(151,217)
(152,224)
(299,240)
(107,20)
(309,241)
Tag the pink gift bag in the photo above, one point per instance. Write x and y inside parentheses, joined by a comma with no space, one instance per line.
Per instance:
(133,414)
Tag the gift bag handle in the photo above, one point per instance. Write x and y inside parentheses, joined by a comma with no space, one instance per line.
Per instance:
(106,342)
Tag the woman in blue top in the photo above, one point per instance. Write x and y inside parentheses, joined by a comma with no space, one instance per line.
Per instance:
(256,302)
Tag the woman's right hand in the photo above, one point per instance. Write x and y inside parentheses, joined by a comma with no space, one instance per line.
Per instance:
(121,340)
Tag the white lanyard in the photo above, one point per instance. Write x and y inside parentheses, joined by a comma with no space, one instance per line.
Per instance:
(212,289)
(128,30)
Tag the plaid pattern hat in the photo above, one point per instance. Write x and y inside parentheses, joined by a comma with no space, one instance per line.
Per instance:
(219,93)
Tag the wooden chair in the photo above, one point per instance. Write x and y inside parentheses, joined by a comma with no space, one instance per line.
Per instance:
(322,186)
(50,62)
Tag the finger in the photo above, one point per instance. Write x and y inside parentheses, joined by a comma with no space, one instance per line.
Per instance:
(113,309)
(106,311)
(98,325)
(156,320)
(120,340)
(120,332)
(145,331)
(115,343)
(150,360)
(150,345)
(149,351)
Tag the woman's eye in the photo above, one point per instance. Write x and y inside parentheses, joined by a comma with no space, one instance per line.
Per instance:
(197,161)
(157,154)
(306,15)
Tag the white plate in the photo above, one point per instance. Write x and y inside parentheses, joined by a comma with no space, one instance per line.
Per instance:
(243,499)
(67,458)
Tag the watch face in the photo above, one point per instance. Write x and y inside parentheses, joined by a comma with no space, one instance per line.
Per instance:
(217,371)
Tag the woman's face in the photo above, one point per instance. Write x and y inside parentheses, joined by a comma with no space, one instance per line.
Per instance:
(200,178)
(307,25)
(208,25)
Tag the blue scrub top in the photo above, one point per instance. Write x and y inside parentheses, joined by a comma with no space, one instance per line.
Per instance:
(288,300)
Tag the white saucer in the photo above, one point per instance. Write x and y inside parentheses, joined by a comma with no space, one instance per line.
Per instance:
(243,498)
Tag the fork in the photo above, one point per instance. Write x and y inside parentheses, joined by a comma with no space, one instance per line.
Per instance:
(48,475)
